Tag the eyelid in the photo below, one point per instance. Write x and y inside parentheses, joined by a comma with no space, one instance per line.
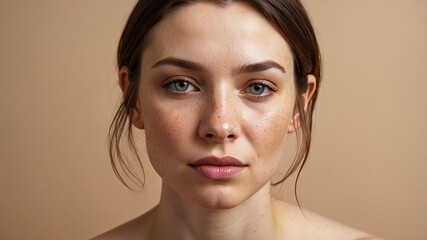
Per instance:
(177,78)
(268,84)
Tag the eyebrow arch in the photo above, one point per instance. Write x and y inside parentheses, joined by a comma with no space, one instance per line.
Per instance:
(259,67)
(180,63)
(246,68)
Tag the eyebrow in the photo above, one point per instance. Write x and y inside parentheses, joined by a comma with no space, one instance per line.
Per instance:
(259,67)
(180,63)
(246,68)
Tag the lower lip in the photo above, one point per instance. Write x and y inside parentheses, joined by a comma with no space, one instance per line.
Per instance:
(218,172)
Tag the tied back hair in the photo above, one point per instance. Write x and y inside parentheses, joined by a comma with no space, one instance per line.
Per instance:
(290,19)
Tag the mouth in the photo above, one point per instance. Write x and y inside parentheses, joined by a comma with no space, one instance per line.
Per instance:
(218,168)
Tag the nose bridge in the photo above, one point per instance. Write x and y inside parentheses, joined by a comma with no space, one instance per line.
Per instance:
(221,103)
(220,117)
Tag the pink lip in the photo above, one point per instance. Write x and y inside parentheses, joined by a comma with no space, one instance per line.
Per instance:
(218,168)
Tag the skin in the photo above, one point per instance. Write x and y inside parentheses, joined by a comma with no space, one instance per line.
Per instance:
(219,114)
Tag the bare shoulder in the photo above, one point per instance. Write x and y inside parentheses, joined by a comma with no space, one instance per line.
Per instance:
(315,226)
(137,228)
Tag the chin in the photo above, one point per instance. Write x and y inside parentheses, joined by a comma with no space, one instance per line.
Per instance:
(217,198)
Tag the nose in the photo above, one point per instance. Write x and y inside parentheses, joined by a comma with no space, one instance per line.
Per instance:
(220,118)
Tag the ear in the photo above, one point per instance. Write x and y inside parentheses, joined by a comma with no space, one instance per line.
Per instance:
(124,80)
(135,113)
(305,97)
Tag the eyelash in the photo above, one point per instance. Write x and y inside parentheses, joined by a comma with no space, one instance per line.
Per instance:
(171,82)
(264,83)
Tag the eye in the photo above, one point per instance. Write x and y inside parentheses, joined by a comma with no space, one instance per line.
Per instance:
(261,89)
(257,89)
(180,86)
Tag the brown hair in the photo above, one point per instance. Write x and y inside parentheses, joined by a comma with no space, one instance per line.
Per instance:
(288,16)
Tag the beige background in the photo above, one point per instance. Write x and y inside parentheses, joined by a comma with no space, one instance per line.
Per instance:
(58,93)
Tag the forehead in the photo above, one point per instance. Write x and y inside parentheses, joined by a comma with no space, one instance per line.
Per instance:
(207,32)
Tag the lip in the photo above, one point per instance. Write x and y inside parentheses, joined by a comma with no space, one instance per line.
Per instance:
(218,167)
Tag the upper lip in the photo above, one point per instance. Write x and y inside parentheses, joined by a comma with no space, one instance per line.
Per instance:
(218,161)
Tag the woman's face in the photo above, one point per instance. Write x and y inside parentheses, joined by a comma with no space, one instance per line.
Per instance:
(215,81)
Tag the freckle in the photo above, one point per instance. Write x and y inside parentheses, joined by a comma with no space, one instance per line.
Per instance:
(254,231)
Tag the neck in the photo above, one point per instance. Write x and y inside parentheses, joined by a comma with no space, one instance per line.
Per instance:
(176,218)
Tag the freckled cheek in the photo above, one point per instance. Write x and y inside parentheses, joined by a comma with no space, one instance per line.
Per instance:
(269,134)
(167,130)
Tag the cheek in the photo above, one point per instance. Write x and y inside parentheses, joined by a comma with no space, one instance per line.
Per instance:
(165,129)
(164,134)
(270,128)
(271,134)
(267,133)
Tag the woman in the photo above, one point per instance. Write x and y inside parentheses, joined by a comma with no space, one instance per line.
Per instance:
(217,86)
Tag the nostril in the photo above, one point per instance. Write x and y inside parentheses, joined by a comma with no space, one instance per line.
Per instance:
(230,136)
(210,135)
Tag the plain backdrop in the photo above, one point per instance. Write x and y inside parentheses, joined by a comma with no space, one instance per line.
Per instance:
(59,91)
